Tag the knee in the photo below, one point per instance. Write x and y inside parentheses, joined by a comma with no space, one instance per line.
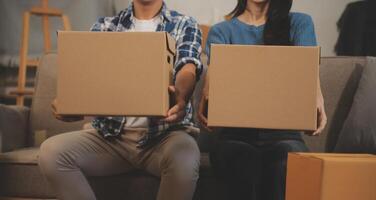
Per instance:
(233,159)
(283,148)
(51,155)
(47,157)
(182,163)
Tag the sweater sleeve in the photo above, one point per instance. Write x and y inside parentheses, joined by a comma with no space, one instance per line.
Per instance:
(304,31)
(215,36)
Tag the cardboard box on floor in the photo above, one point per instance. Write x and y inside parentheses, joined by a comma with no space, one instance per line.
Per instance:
(331,177)
(113,73)
(269,87)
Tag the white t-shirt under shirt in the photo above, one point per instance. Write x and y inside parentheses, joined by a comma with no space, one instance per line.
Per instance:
(141,26)
(150,25)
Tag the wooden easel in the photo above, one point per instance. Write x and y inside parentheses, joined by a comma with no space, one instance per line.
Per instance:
(45,12)
(205,31)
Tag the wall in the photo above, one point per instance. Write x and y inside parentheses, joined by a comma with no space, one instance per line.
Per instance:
(82,14)
(325,14)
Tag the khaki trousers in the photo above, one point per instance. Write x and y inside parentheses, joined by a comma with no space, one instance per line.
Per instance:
(67,159)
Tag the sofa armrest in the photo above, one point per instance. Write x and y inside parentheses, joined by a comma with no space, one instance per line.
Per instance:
(14,127)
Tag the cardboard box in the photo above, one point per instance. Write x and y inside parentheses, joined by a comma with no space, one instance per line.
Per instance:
(269,87)
(114,73)
(331,177)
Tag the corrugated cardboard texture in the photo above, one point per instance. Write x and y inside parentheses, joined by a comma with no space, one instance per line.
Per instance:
(270,87)
(299,170)
(107,73)
(331,177)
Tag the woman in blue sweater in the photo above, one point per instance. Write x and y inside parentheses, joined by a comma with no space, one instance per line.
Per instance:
(253,161)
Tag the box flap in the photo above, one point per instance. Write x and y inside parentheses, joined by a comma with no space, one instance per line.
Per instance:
(304,177)
(340,157)
(171,44)
(336,155)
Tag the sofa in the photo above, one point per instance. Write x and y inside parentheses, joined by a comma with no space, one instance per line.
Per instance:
(21,128)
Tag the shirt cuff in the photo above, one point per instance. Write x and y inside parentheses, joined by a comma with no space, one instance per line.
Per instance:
(189,60)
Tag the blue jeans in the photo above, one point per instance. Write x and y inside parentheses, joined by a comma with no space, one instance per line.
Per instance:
(254,169)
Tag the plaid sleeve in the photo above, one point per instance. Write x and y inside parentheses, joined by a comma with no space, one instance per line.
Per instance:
(189,47)
(105,24)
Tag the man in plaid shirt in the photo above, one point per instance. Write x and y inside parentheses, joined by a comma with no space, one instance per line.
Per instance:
(163,147)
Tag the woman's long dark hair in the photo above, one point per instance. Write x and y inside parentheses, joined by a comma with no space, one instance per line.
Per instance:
(278,23)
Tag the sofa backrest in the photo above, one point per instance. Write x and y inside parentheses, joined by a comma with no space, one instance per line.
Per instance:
(41,117)
(339,81)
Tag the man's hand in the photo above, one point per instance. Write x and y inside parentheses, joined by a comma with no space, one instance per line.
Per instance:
(177,112)
(202,113)
(64,118)
(181,93)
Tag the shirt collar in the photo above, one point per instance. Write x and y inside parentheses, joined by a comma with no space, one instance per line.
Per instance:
(127,15)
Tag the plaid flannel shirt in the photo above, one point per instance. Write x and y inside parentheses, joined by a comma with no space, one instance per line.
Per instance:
(187,34)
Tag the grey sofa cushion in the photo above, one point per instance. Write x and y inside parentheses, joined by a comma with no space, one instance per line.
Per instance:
(41,116)
(13,127)
(359,131)
(339,81)
(20,175)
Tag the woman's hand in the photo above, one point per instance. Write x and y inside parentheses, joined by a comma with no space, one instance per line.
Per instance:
(321,114)
(64,118)
(321,118)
